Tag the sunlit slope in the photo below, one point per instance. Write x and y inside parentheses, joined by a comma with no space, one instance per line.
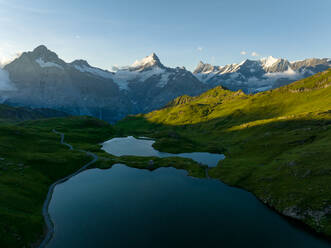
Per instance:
(277,143)
(312,94)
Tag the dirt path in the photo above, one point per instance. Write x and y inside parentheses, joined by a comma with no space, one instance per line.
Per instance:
(48,221)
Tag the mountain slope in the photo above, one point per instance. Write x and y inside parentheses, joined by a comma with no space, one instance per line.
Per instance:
(276,143)
(14,114)
(41,79)
(259,75)
(151,84)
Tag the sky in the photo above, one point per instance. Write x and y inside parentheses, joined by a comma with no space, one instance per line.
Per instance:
(180,32)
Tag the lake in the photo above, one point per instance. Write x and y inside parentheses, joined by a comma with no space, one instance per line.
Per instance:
(129,207)
(143,147)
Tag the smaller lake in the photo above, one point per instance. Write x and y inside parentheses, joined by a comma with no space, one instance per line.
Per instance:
(143,147)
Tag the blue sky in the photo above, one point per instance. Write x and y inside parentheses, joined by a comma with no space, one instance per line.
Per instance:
(181,33)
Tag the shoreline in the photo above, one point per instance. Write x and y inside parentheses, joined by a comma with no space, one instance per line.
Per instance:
(50,225)
(47,219)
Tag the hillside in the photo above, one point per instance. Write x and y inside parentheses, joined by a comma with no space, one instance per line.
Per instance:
(32,158)
(13,114)
(277,142)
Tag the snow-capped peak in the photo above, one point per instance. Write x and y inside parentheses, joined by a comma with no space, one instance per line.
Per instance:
(149,61)
(241,63)
(268,61)
(201,63)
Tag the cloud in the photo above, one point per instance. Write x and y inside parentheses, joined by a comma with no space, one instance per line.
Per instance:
(5,83)
(6,59)
(291,74)
(3,62)
(200,48)
(243,52)
(255,54)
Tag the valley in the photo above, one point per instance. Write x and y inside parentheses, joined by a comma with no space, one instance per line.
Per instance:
(32,159)
(157,124)
(276,145)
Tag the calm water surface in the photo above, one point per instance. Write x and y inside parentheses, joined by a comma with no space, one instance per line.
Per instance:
(143,147)
(127,207)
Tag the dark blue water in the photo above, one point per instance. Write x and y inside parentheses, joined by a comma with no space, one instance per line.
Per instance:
(143,147)
(126,207)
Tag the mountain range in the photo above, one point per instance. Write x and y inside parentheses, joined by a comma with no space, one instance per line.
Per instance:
(40,79)
(253,76)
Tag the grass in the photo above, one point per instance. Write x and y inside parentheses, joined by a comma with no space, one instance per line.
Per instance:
(193,168)
(32,158)
(30,162)
(277,143)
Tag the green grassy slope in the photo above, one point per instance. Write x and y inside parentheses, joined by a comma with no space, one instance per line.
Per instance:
(277,143)
(14,114)
(32,158)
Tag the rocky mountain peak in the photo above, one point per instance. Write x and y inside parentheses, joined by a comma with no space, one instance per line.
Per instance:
(41,57)
(147,62)
(154,56)
(249,63)
(269,61)
(44,53)
(310,62)
(40,49)
(203,68)
(80,62)
(272,64)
